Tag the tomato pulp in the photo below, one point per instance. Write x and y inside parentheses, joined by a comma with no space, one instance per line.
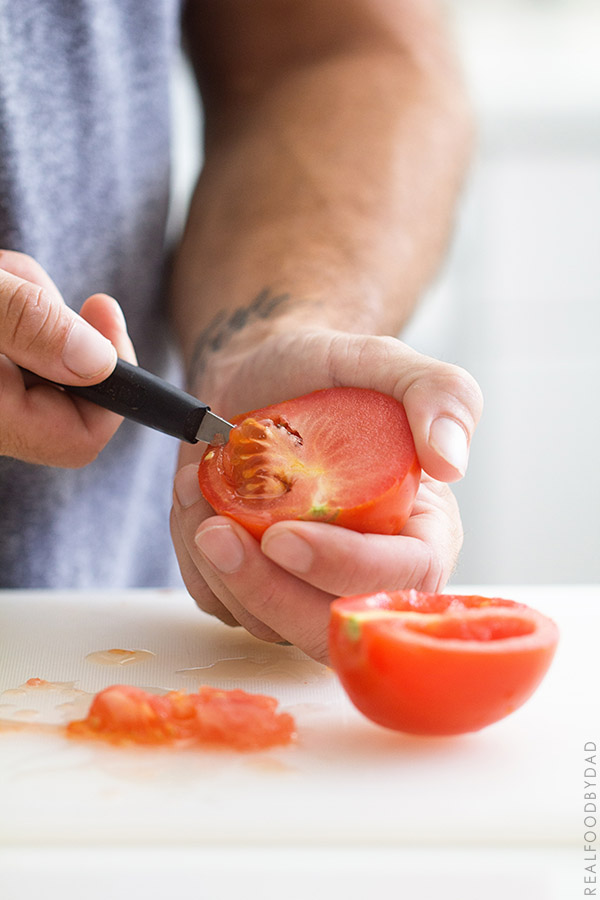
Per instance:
(342,455)
(122,714)
(438,664)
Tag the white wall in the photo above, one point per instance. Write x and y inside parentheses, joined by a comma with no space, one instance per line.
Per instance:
(518,303)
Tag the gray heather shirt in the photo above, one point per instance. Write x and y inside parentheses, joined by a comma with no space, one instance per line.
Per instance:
(84,180)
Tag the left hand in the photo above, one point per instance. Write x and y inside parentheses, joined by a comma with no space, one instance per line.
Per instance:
(281,588)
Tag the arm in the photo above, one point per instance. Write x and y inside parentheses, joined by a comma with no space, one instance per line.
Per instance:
(336,138)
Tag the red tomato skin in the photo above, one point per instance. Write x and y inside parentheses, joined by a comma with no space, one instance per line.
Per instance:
(419,684)
(386,511)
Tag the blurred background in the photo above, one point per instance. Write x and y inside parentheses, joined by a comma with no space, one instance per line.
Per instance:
(517,302)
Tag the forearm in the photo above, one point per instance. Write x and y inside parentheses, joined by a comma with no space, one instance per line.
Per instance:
(329,183)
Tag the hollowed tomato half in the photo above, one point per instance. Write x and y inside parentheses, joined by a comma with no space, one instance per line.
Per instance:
(342,455)
(438,664)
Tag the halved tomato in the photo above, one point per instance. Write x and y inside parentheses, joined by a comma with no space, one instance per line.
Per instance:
(343,455)
(438,663)
(122,714)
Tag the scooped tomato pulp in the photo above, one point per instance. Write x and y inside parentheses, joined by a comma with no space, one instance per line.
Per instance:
(342,455)
(438,664)
(122,714)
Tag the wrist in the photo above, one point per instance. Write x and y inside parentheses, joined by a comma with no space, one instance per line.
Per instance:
(222,350)
(239,360)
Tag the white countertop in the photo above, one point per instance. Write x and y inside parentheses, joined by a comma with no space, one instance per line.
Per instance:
(348,799)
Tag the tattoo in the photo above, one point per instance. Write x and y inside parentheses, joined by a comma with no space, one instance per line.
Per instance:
(223,327)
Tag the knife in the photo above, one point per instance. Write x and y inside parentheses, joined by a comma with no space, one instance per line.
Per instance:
(139,395)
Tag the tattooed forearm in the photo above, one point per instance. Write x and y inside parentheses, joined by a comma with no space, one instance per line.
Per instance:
(224,326)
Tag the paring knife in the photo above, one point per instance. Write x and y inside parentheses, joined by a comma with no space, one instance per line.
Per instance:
(136,394)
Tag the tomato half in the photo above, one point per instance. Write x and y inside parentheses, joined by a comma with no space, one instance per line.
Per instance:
(437,663)
(342,455)
(122,714)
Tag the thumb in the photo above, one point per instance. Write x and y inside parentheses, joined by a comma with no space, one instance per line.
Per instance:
(40,332)
(443,402)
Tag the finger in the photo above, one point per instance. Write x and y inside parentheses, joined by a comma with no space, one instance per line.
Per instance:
(262,591)
(442,401)
(27,268)
(39,332)
(217,543)
(46,426)
(193,580)
(344,562)
(101,311)
(43,425)
(203,579)
(266,600)
(443,405)
(104,314)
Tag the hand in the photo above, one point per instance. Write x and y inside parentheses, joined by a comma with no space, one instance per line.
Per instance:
(38,423)
(281,588)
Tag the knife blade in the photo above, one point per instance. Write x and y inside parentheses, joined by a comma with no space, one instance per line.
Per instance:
(145,398)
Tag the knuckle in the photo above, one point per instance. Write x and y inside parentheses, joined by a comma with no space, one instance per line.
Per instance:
(454,386)
(359,567)
(318,648)
(440,555)
(461,383)
(466,387)
(207,602)
(31,317)
(260,604)
(261,631)
(433,578)
(358,572)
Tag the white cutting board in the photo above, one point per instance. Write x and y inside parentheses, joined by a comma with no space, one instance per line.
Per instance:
(345,781)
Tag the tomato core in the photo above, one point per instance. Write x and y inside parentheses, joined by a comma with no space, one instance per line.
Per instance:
(483,629)
(260,458)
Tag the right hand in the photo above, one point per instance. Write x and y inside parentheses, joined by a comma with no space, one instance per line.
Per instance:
(282,587)
(38,331)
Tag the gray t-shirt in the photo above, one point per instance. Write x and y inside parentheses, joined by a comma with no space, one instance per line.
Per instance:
(84,189)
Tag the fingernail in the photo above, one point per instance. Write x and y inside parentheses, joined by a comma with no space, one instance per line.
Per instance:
(86,351)
(221,547)
(187,487)
(448,438)
(289,550)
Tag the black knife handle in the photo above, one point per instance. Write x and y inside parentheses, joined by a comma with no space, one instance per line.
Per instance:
(136,394)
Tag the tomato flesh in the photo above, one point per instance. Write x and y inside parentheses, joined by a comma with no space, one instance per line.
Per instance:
(122,714)
(342,455)
(438,664)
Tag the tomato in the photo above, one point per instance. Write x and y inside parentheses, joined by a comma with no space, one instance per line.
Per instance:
(122,714)
(342,455)
(437,663)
